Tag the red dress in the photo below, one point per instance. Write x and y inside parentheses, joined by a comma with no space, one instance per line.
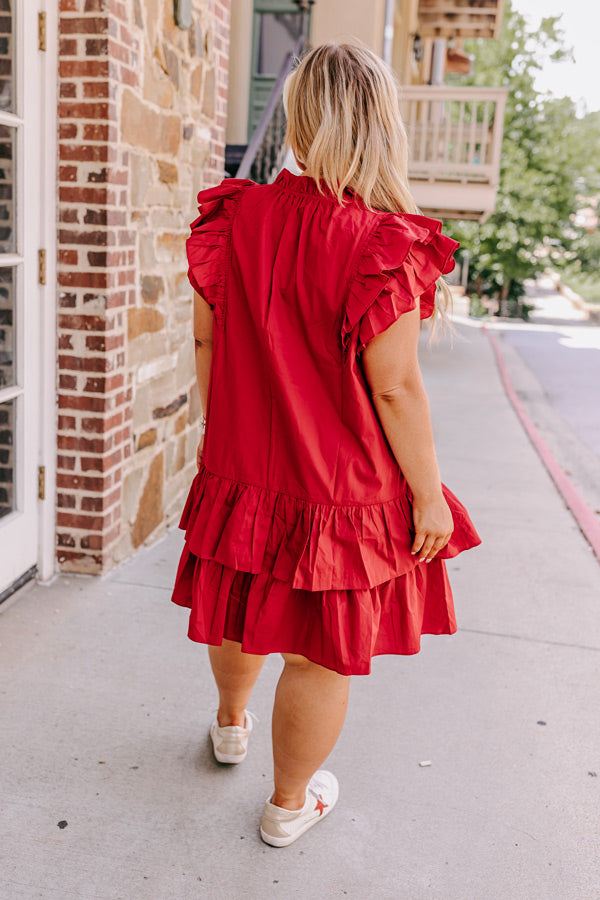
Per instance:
(298,523)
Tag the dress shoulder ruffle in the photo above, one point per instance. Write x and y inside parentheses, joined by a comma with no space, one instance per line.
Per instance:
(207,246)
(402,259)
(309,545)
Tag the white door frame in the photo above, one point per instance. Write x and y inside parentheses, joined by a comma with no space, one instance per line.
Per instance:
(27,534)
(48,82)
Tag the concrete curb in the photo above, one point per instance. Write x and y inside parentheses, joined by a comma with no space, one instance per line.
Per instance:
(583,515)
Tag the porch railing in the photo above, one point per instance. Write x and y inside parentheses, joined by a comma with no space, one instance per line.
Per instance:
(454,134)
(460,19)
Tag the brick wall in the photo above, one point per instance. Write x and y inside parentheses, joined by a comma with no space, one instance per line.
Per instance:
(141,129)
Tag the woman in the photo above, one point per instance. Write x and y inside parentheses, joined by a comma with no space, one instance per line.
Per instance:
(317,525)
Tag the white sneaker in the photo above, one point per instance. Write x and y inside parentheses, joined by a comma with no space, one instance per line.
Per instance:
(280,827)
(230,742)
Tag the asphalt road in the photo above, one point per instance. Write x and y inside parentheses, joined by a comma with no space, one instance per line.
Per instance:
(565,357)
(554,362)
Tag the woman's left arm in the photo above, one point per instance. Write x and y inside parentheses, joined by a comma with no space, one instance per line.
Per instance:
(203,350)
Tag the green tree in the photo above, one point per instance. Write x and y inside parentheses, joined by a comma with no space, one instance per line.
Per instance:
(546,165)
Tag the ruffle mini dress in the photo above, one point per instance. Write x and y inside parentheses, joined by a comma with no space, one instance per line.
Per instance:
(298,525)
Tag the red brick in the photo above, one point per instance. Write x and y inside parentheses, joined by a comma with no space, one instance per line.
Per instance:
(113,421)
(85,445)
(68,90)
(85,279)
(87,25)
(98,504)
(100,463)
(119,177)
(65,462)
(84,364)
(118,52)
(68,257)
(95,89)
(67,382)
(67,501)
(67,47)
(83,68)
(129,77)
(67,423)
(69,216)
(83,195)
(96,47)
(96,258)
(91,483)
(84,152)
(103,343)
(87,403)
(99,177)
(67,173)
(93,238)
(72,520)
(82,323)
(79,559)
(84,110)
(67,131)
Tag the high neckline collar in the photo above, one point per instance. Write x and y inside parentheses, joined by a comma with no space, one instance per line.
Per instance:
(306,185)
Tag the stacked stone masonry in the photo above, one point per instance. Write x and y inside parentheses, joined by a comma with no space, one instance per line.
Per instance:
(142,111)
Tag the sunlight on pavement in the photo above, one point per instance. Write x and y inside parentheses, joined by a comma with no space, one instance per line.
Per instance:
(580,339)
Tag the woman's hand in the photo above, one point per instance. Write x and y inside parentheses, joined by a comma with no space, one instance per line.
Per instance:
(433,526)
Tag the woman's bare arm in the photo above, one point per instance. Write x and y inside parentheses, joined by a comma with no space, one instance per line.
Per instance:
(203,349)
(392,370)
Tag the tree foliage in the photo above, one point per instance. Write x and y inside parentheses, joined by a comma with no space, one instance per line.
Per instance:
(548,165)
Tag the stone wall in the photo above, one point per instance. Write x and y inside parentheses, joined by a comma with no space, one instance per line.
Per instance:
(142,120)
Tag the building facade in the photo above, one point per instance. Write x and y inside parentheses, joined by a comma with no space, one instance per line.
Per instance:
(113,116)
(455,133)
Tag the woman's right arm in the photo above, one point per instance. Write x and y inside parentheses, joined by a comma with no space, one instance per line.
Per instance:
(391,367)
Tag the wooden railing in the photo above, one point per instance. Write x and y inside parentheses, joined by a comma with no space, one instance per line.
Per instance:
(454,134)
(460,18)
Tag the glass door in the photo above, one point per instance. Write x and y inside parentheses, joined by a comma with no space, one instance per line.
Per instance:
(20,149)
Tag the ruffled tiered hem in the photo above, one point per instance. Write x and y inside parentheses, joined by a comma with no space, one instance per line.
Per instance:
(337,584)
(310,546)
(341,630)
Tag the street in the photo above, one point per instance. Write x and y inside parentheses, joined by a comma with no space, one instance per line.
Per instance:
(554,362)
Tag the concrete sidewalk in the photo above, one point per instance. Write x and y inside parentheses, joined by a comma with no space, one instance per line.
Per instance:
(106,706)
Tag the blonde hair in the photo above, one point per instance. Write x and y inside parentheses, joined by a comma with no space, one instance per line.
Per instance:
(345,128)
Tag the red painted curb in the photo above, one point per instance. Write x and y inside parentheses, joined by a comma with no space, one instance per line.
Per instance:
(583,515)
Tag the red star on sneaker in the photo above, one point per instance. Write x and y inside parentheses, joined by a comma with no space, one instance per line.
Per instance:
(320,805)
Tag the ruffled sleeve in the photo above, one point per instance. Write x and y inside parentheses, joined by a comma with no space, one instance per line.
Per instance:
(401,260)
(208,245)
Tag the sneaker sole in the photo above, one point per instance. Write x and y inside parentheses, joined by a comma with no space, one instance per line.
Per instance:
(232,760)
(285,842)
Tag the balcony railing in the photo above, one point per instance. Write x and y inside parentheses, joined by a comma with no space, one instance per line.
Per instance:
(455,139)
(460,18)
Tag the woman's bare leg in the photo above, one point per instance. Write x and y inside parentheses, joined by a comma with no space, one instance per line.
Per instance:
(308,715)
(235,673)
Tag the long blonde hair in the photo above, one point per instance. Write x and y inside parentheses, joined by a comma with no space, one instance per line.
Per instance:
(345,128)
